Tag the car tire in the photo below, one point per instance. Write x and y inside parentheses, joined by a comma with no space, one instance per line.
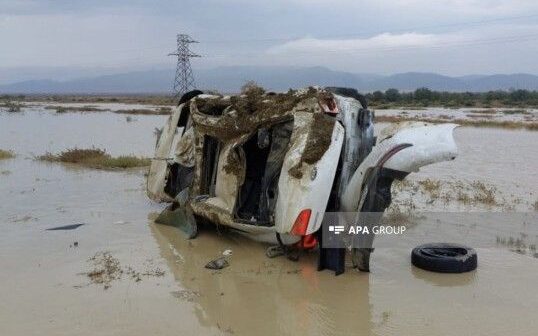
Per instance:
(444,258)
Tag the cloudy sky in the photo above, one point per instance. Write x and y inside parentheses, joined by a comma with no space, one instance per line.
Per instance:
(453,37)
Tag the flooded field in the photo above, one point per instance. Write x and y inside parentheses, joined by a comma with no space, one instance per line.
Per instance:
(122,274)
(520,115)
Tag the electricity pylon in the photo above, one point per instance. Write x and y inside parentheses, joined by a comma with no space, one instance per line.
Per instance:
(184,81)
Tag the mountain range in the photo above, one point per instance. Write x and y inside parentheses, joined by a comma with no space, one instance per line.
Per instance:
(229,79)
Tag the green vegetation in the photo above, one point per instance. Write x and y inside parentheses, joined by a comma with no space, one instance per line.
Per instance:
(11,106)
(163,100)
(424,97)
(6,154)
(12,103)
(161,111)
(64,109)
(95,158)
(391,98)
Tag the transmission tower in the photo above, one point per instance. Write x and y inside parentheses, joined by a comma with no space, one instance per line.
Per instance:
(184,81)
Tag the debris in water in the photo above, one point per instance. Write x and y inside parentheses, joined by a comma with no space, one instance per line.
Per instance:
(274,251)
(23,219)
(186,295)
(180,217)
(217,264)
(66,227)
(106,269)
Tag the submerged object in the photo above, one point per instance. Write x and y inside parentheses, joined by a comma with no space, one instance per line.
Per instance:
(444,258)
(180,217)
(66,227)
(217,264)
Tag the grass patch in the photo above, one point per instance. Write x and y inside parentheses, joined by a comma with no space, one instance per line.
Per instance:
(161,111)
(96,158)
(516,111)
(480,194)
(65,109)
(483,116)
(430,186)
(484,194)
(6,154)
(483,111)
(164,100)
(12,106)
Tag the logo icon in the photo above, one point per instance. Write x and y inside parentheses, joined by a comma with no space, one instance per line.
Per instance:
(336,228)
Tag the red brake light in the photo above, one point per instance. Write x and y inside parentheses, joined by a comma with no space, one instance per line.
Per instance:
(301,223)
(309,242)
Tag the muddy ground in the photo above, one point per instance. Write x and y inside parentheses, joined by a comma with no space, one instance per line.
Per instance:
(122,274)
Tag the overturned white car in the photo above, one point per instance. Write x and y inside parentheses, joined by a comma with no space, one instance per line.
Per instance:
(270,165)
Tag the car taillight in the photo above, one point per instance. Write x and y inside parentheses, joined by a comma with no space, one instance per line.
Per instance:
(308,242)
(301,223)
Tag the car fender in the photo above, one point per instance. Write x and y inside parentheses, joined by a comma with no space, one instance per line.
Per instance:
(405,148)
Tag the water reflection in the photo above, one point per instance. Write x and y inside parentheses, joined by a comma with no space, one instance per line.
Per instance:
(443,279)
(271,296)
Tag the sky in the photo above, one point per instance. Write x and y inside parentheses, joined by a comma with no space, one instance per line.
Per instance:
(62,38)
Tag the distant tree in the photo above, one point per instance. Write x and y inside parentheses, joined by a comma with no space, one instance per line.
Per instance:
(519,95)
(423,94)
(392,95)
(378,96)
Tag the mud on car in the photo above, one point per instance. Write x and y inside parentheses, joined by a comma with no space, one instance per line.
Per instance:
(270,165)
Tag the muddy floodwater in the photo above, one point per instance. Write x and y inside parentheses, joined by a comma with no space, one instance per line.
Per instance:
(122,274)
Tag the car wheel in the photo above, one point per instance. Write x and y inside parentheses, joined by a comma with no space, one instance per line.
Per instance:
(444,258)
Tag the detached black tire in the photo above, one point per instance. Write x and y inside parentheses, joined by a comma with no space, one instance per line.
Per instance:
(444,258)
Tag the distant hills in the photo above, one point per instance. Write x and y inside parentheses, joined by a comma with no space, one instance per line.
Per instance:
(231,78)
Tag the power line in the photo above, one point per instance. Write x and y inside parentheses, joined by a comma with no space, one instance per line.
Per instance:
(363,50)
(277,39)
(378,31)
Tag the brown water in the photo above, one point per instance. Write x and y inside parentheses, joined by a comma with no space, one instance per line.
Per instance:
(44,291)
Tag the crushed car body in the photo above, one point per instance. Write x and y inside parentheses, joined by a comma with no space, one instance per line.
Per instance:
(270,165)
